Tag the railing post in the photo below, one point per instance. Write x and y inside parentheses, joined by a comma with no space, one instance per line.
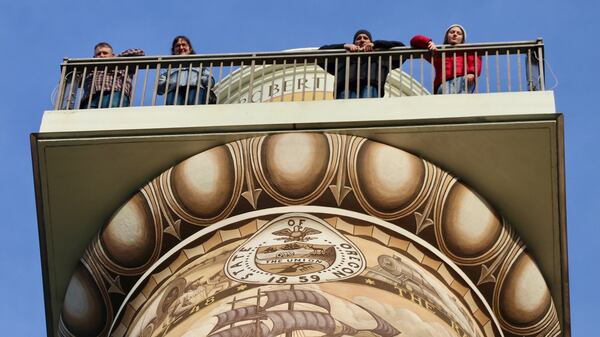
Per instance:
(155,85)
(347,78)
(60,95)
(443,84)
(540,55)
(251,84)
(535,77)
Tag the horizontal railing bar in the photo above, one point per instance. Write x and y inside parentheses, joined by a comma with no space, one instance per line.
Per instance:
(291,55)
(236,62)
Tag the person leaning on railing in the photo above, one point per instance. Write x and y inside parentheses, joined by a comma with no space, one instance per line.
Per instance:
(369,87)
(177,78)
(454,82)
(99,84)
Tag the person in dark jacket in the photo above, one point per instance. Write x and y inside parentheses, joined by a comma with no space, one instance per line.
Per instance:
(364,79)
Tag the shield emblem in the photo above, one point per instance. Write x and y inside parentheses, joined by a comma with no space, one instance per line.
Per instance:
(295,248)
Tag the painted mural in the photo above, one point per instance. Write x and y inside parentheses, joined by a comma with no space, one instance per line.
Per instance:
(307,234)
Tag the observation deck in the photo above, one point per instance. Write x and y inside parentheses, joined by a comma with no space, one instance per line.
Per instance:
(298,77)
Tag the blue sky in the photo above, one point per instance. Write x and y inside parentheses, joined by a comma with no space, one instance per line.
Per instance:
(35,35)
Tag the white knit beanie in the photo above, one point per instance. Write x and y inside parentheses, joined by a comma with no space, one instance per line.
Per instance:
(459,26)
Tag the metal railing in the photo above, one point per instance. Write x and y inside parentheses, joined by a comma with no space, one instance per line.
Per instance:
(298,75)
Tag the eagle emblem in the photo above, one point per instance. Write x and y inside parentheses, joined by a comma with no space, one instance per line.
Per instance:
(297,234)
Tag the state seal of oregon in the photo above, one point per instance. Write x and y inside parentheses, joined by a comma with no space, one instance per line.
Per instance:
(295,248)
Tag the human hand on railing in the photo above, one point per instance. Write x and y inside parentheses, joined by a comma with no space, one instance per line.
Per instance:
(354,48)
(368,47)
(470,78)
(351,47)
(431,46)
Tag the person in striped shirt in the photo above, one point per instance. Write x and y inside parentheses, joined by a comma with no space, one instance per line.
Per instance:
(108,87)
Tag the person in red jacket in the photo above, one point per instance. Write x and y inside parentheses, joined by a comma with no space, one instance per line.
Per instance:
(458,79)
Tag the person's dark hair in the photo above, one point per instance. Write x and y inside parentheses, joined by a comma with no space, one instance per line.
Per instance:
(102,44)
(186,39)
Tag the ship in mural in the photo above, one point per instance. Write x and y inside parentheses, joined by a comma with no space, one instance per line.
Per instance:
(286,319)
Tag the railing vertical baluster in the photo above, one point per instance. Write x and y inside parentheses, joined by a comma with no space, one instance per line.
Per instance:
(325,80)
(220,78)
(209,85)
(497,71)
(144,86)
(71,87)
(422,71)
(391,65)
(294,81)
(379,65)
(79,104)
(283,81)
(155,85)
(272,90)
(410,70)
(443,84)
(335,74)
(177,79)
(102,87)
(508,79)
(465,71)
(125,78)
(304,78)
(529,72)
(187,85)
(487,71)
(314,91)
(112,87)
(230,80)
(432,74)
(251,83)
(198,85)
(134,84)
(210,82)
(347,78)
(240,82)
(454,73)
(519,76)
(369,76)
(400,60)
(476,59)
(357,78)
(61,88)
(92,85)
(167,84)
(262,79)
